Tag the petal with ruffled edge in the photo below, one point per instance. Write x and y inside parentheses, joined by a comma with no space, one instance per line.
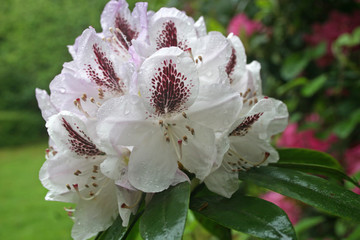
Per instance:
(153,164)
(211,54)
(170,27)
(168,81)
(47,108)
(216,100)
(236,66)
(222,182)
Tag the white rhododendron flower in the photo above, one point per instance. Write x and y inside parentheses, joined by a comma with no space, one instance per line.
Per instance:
(151,101)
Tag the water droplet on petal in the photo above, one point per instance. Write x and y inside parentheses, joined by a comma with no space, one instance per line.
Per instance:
(62,90)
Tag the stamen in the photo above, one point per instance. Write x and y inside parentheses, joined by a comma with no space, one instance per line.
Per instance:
(101,93)
(84,97)
(184,114)
(185,138)
(134,205)
(77,173)
(68,186)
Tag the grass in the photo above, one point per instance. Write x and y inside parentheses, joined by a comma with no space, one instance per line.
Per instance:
(24,212)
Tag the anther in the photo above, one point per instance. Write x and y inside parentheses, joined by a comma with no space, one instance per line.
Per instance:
(68,186)
(192,131)
(167,139)
(250,102)
(161,122)
(203,206)
(200,58)
(92,100)
(91,193)
(196,61)
(185,138)
(87,186)
(77,173)
(188,128)
(95,185)
(54,153)
(184,114)
(93,177)
(84,97)
(101,93)
(255,100)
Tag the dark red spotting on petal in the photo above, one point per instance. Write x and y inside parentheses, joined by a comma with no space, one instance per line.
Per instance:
(109,80)
(79,142)
(170,89)
(231,64)
(245,125)
(126,33)
(169,37)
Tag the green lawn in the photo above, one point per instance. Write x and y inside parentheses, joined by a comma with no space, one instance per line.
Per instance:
(24,212)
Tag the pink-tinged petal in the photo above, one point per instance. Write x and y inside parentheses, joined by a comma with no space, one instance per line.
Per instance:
(95,215)
(170,27)
(128,202)
(140,18)
(74,94)
(100,64)
(124,121)
(216,100)
(168,81)
(70,134)
(211,54)
(47,108)
(236,66)
(153,165)
(196,146)
(117,21)
(200,27)
(222,182)
(113,167)
(180,177)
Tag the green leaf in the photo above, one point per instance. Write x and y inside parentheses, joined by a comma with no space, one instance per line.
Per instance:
(293,65)
(215,229)
(250,215)
(307,223)
(307,156)
(311,161)
(346,127)
(165,215)
(312,190)
(313,86)
(115,232)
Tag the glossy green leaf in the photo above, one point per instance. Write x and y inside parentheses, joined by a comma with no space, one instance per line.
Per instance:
(307,156)
(250,215)
(115,232)
(215,229)
(314,162)
(165,215)
(309,189)
(305,224)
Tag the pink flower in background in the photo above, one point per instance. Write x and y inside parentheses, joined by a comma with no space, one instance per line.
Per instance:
(288,205)
(241,23)
(337,24)
(352,158)
(291,137)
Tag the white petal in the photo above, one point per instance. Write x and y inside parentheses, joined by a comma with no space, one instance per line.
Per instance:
(130,198)
(153,165)
(217,106)
(222,182)
(95,215)
(168,81)
(200,27)
(124,121)
(180,177)
(250,80)
(211,53)
(199,150)
(170,27)
(237,63)
(45,105)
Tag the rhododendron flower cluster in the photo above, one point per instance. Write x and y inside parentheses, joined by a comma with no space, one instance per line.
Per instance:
(146,103)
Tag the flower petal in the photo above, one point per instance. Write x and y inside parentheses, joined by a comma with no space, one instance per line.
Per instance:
(168,81)
(153,164)
(222,182)
(128,198)
(200,27)
(47,108)
(170,27)
(216,100)
(236,67)
(211,54)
